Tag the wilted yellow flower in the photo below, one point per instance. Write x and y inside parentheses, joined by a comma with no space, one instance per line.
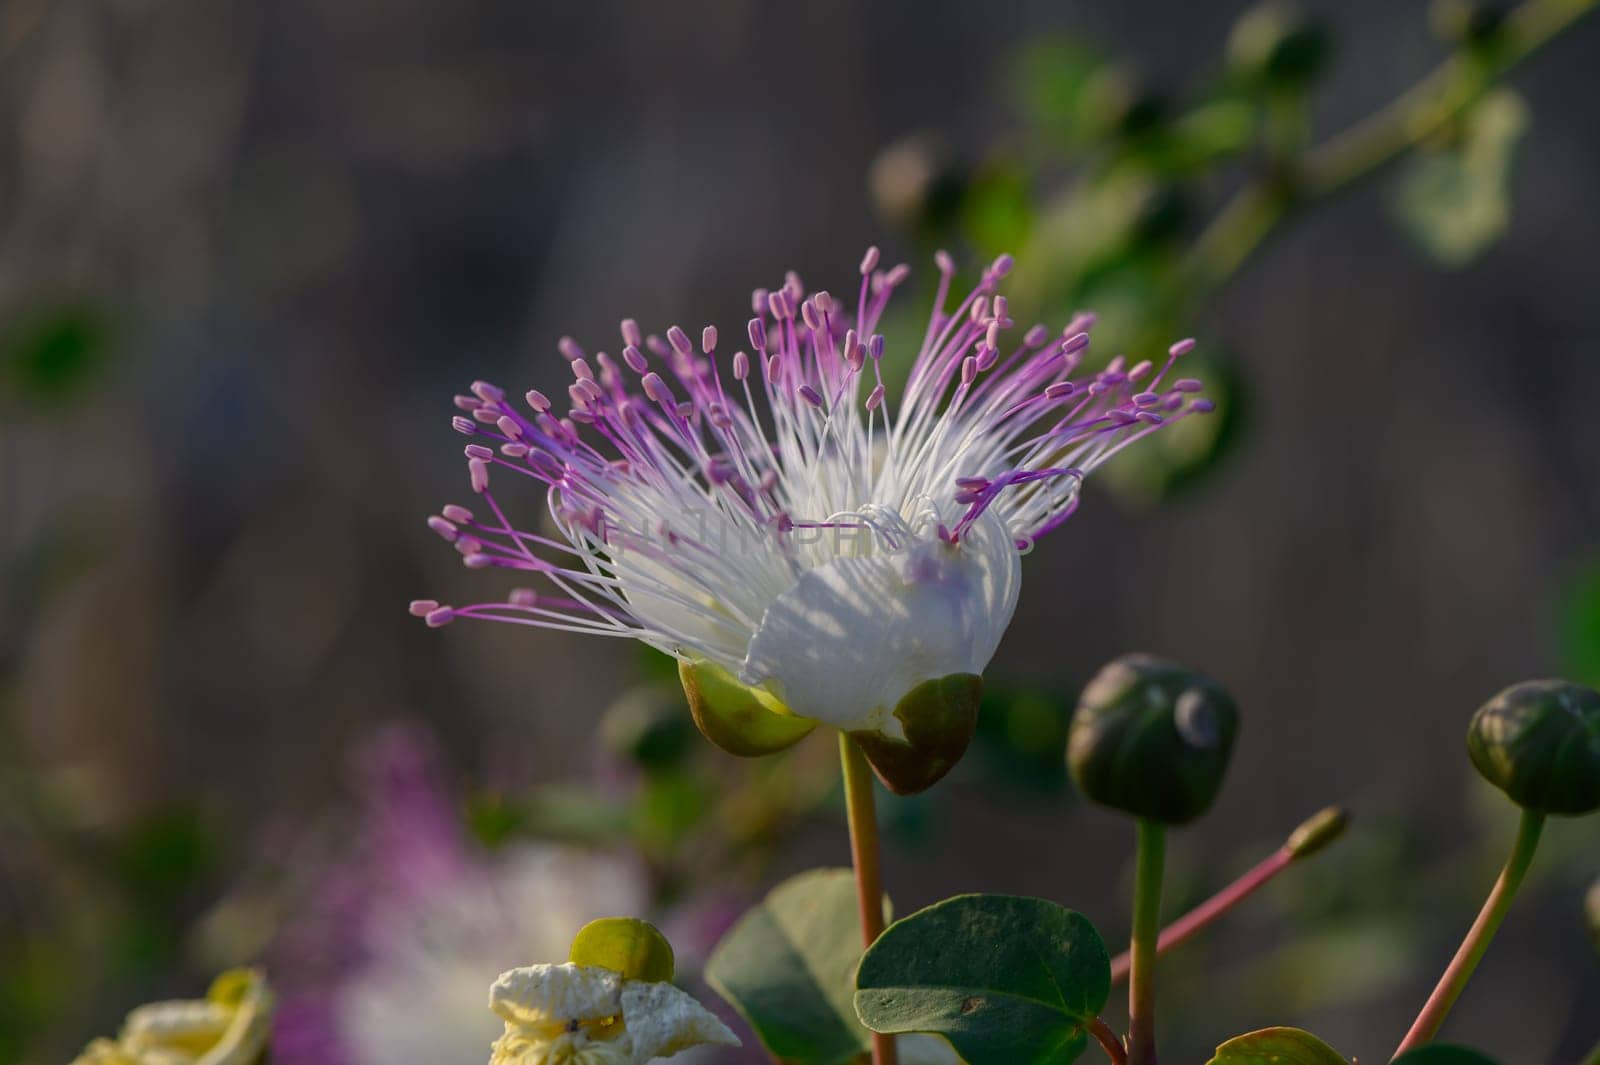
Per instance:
(585,1015)
(228,1027)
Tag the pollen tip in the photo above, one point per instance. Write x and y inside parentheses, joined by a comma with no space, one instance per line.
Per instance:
(869,261)
(439,617)
(708,339)
(569,349)
(630,332)
(523,597)
(463,425)
(1182,347)
(537,400)
(421,608)
(478,469)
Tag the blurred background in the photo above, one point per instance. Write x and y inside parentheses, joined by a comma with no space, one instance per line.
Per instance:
(248,252)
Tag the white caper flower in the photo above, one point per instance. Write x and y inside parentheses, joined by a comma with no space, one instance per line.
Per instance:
(230,1026)
(584,1015)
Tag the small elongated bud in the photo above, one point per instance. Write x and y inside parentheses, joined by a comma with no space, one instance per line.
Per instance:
(625,945)
(1152,739)
(938,717)
(740,719)
(1539,742)
(1317,831)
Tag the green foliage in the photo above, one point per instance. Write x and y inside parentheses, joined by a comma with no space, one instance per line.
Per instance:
(1442,1054)
(52,354)
(1275,46)
(1456,201)
(1007,980)
(648,727)
(1579,626)
(788,967)
(627,945)
(1277,1046)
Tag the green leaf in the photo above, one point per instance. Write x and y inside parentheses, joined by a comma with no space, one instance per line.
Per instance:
(789,965)
(1443,1054)
(1277,1046)
(1456,202)
(1007,980)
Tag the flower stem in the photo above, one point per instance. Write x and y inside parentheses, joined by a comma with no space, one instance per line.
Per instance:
(1108,1041)
(1193,922)
(1146,932)
(1478,938)
(863,820)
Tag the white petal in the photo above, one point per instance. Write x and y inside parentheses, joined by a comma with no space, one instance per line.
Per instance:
(854,635)
(539,993)
(663,1020)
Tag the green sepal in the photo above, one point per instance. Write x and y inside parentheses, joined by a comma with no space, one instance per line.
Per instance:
(742,720)
(939,717)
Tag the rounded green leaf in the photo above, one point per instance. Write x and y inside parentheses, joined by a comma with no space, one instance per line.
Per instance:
(1277,1046)
(1007,980)
(626,945)
(788,967)
(1443,1054)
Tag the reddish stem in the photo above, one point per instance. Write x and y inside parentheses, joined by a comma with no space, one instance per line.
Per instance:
(1191,923)
(1108,1041)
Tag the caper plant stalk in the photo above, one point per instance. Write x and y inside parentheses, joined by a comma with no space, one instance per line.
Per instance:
(1307,839)
(862,815)
(1146,932)
(1478,938)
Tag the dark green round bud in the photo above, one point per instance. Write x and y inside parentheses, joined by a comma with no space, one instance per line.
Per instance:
(1539,742)
(740,719)
(1276,45)
(1152,739)
(938,718)
(626,945)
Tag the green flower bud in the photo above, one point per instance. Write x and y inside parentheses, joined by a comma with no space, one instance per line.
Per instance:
(741,720)
(1276,45)
(625,945)
(938,717)
(1539,742)
(1321,829)
(1152,739)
